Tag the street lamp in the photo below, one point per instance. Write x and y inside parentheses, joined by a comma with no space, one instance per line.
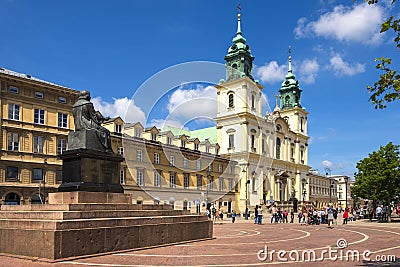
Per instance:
(345,182)
(44,180)
(244,170)
(328,170)
(304,182)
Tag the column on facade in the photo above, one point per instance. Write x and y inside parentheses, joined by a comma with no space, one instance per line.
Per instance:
(261,185)
(299,186)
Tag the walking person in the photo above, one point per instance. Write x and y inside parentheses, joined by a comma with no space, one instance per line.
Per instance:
(256,214)
(330,217)
(345,215)
(291,216)
(274,214)
(285,215)
(233,215)
(259,215)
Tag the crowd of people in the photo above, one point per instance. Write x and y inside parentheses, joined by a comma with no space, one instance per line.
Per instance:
(309,215)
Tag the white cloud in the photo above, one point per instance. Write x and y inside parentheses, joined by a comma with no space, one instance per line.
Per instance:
(359,23)
(341,67)
(192,103)
(271,72)
(161,123)
(123,107)
(327,164)
(308,70)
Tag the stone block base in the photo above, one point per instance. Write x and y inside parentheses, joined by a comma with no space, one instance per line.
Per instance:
(71,230)
(79,197)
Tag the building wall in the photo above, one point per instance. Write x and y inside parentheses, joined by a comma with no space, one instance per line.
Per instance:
(21,95)
(323,190)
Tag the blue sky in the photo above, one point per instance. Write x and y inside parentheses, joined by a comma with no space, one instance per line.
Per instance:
(112,47)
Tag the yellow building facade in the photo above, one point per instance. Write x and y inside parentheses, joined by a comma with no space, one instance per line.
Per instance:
(35,121)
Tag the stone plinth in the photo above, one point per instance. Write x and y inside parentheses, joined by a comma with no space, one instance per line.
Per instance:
(90,170)
(71,230)
(79,197)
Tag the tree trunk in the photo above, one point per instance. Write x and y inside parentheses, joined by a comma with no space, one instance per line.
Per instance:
(389,211)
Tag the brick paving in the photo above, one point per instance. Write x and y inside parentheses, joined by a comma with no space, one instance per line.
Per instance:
(238,244)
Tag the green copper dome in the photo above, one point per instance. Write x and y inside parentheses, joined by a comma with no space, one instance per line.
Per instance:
(290,91)
(239,60)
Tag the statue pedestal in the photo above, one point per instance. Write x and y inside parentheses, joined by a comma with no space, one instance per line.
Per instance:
(90,170)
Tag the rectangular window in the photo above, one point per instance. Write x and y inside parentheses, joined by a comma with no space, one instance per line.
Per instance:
(62,120)
(171,161)
(263,145)
(39,95)
(120,151)
(220,168)
(118,128)
(231,141)
(13,141)
(38,116)
(186,180)
(139,155)
(230,169)
(185,163)
(156,158)
(169,140)
(13,89)
(154,137)
(198,164)
(216,151)
(38,143)
(58,176)
(157,179)
(253,141)
(13,112)
(207,149)
(199,182)
(37,174)
(138,132)
(122,176)
(12,173)
(61,145)
(183,143)
(140,178)
(230,184)
(196,147)
(172,182)
(221,184)
(62,100)
(210,184)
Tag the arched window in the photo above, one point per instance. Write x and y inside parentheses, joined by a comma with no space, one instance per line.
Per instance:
(278,148)
(287,101)
(231,105)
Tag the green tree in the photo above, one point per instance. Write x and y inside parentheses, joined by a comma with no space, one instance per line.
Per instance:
(387,88)
(378,176)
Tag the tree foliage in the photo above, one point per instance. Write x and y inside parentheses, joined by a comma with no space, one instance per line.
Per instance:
(378,176)
(387,88)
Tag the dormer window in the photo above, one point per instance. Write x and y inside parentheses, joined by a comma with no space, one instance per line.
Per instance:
(207,149)
(118,128)
(196,147)
(153,136)
(183,143)
(14,89)
(169,140)
(138,132)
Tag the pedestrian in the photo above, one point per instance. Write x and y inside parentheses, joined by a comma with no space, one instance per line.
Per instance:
(221,216)
(291,216)
(233,215)
(274,214)
(256,214)
(259,215)
(345,215)
(285,215)
(300,216)
(330,216)
(214,212)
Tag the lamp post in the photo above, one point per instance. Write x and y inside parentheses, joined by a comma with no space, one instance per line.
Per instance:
(244,170)
(328,170)
(44,180)
(304,182)
(345,192)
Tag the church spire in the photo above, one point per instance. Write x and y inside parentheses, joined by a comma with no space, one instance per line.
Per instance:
(290,90)
(239,60)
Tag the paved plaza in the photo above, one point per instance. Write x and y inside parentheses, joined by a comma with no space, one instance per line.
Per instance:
(244,243)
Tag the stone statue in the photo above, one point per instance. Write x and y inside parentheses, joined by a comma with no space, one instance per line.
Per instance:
(89,134)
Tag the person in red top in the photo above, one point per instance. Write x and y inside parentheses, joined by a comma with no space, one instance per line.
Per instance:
(345,215)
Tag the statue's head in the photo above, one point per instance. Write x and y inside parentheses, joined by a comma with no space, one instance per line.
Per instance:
(84,94)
